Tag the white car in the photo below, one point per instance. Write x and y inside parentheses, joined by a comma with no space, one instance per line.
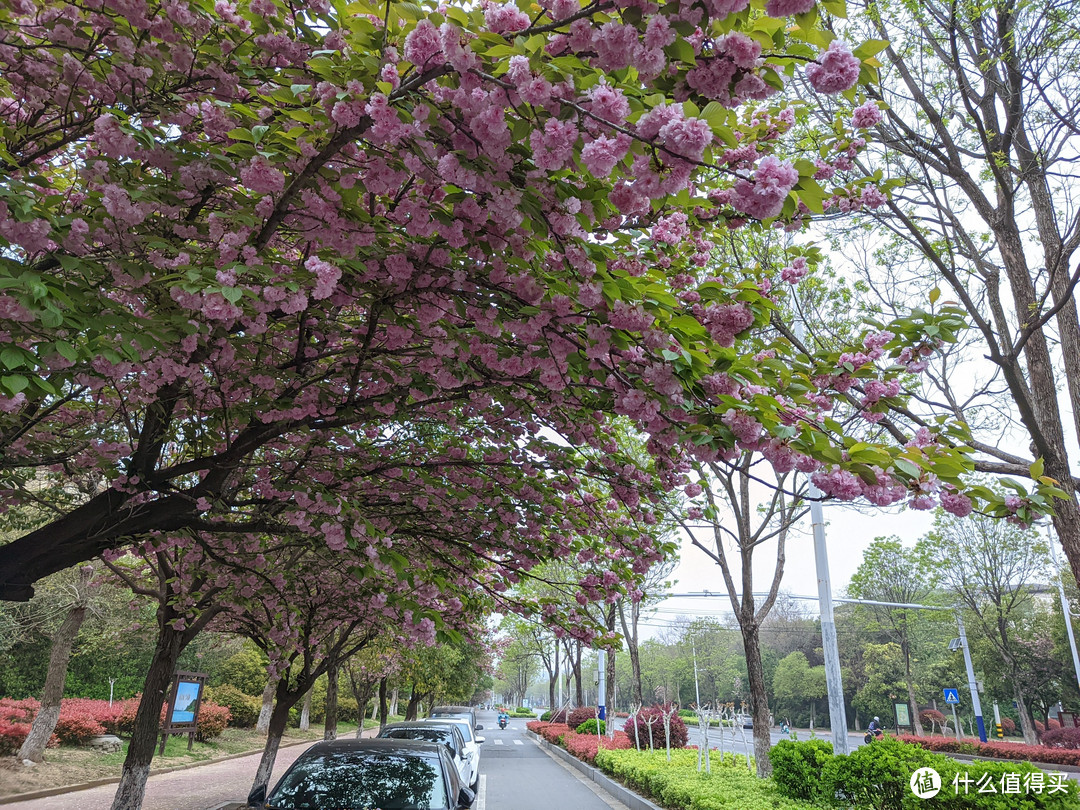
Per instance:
(448,735)
(472,744)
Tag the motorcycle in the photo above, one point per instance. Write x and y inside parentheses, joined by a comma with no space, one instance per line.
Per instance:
(876,734)
(502,722)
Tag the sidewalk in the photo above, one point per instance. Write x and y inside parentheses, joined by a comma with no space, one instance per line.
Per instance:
(202,787)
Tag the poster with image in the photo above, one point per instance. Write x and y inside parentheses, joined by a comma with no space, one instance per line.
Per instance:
(187,696)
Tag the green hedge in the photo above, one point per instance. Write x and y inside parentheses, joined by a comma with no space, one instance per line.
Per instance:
(677,784)
(877,777)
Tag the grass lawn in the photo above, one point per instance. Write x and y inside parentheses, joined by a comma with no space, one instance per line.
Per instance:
(72,766)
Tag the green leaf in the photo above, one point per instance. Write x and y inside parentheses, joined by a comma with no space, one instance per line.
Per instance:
(14,382)
(870,48)
(935,294)
(1036,469)
(12,358)
(909,468)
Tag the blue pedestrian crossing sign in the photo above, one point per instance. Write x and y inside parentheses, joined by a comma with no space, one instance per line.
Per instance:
(951,695)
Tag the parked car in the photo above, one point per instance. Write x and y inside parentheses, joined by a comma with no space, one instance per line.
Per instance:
(472,743)
(455,711)
(450,736)
(359,774)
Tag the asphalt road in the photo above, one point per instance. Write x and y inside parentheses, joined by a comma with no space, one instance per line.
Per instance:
(516,774)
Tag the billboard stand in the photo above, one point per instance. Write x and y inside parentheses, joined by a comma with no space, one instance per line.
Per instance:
(182,710)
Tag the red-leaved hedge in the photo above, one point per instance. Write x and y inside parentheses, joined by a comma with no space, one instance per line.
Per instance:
(585,746)
(997,750)
(83,718)
(549,731)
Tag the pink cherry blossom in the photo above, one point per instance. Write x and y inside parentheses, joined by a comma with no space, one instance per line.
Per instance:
(835,71)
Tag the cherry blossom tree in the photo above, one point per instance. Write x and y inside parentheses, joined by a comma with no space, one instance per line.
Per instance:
(235,241)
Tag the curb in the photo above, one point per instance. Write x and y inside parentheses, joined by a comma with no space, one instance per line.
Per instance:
(624,795)
(113,780)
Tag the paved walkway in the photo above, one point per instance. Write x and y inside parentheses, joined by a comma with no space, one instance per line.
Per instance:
(202,788)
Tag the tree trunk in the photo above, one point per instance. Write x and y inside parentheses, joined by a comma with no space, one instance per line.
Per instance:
(1027,725)
(553,681)
(279,719)
(331,721)
(305,712)
(383,712)
(263,723)
(33,747)
(759,700)
(915,721)
(144,737)
(394,702)
(414,704)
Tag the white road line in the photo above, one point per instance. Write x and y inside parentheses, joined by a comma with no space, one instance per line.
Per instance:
(481,793)
(518,742)
(499,741)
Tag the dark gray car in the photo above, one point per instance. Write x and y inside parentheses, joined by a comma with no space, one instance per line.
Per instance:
(359,774)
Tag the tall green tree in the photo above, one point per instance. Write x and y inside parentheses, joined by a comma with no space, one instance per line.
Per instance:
(989,566)
(892,573)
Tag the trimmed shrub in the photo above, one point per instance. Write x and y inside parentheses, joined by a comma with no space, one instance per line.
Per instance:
(1051,724)
(679,734)
(878,775)
(585,746)
(213,720)
(76,727)
(677,784)
(12,736)
(243,708)
(559,716)
(18,711)
(801,770)
(552,732)
(580,715)
(1008,725)
(99,710)
(1062,738)
(589,727)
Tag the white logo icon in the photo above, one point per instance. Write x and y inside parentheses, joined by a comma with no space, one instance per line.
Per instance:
(925,783)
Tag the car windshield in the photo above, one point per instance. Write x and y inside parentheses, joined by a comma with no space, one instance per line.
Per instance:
(464,725)
(362,780)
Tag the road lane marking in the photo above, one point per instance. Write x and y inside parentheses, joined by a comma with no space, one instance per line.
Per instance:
(499,741)
(518,742)
(481,792)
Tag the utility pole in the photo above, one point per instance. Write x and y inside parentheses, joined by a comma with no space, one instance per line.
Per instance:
(973,687)
(830,649)
(1064,604)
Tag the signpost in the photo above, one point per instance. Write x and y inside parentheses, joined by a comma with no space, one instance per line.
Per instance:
(903,715)
(182,710)
(952,697)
